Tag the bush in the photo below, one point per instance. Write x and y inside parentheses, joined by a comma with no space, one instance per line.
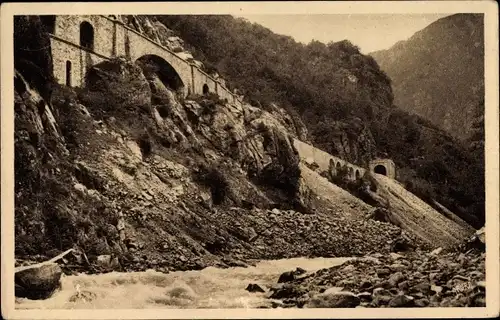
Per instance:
(422,189)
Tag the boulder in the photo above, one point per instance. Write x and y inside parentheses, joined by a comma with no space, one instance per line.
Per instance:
(480,234)
(342,299)
(365,296)
(401,244)
(395,256)
(396,278)
(402,301)
(422,302)
(286,277)
(476,241)
(299,271)
(287,290)
(37,282)
(423,287)
(381,300)
(436,252)
(252,287)
(382,272)
(107,262)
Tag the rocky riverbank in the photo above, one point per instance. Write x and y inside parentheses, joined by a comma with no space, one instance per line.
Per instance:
(413,279)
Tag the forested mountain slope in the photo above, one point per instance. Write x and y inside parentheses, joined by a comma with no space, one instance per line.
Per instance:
(439,72)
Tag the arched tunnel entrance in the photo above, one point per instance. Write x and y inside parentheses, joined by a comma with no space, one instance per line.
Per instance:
(380,169)
(153,65)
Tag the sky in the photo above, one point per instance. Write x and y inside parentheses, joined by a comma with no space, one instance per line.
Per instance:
(370,32)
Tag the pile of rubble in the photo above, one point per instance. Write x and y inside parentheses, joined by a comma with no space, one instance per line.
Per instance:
(416,279)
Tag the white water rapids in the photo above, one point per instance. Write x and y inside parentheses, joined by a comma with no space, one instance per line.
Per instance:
(207,288)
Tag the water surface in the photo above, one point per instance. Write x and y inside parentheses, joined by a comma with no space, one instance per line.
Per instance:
(207,288)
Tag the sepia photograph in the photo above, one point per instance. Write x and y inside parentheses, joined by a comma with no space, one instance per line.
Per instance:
(276,160)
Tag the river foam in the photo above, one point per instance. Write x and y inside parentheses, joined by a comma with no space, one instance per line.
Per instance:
(207,288)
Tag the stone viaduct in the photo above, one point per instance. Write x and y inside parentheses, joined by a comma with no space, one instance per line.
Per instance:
(81,41)
(327,162)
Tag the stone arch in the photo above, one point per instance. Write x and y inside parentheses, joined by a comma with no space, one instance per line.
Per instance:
(380,169)
(87,35)
(358,174)
(68,73)
(350,170)
(331,167)
(153,64)
(338,166)
(206,89)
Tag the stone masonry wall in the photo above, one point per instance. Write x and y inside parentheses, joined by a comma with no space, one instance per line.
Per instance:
(80,62)
(68,28)
(308,152)
(112,38)
(387,163)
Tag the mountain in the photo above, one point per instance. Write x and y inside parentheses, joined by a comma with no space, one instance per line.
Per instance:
(438,73)
(126,173)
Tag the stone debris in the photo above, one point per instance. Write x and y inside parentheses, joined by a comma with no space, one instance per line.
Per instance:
(421,280)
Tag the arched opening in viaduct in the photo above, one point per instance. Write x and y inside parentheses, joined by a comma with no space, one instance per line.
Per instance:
(351,172)
(380,169)
(358,175)
(331,167)
(205,89)
(154,65)
(337,168)
(87,36)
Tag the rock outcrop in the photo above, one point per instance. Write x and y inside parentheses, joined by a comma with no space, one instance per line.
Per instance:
(38,282)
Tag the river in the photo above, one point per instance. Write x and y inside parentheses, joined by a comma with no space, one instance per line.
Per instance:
(207,288)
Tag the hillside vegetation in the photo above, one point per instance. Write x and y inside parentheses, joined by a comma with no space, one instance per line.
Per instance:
(346,102)
(438,73)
